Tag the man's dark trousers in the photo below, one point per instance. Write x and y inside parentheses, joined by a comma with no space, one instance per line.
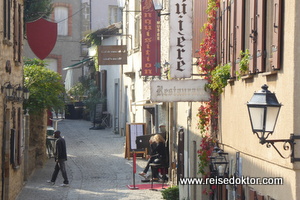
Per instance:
(60,165)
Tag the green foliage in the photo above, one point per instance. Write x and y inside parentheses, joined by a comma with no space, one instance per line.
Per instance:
(87,88)
(204,153)
(219,77)
(244,63)
(92,39)
(77,91)
(45,86)
(171,193)
(36,9)
(94,96)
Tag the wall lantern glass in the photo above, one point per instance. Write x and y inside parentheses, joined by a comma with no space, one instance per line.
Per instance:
(19,92)
(263,111)
(158,5)
(121,3)
(26,93)
(9,90)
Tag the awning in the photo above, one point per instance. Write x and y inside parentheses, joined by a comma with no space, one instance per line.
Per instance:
(77,65)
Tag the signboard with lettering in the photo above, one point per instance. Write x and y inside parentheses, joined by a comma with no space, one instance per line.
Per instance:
(179,90)
(150,40)
(181,32)
(112,55)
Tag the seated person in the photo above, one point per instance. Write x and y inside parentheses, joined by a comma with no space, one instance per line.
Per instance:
(159,154)
(150,157)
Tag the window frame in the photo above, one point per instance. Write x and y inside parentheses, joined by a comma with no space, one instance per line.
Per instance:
(240,31)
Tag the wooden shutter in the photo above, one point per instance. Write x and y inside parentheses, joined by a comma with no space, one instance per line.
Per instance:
(224,33)
(20,33)
(224,192)
(103,82)
(180,155)
(261,35)
(239,192)
(239,28)
(16,27)
(276,30)
(252,194)
(252,35)
(260,197)
(199,18)
(12,146)
(232,36)
(218,36)
(97,78)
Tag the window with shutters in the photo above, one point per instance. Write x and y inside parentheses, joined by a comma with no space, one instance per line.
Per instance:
(6,21)
(255,25)
(18,24)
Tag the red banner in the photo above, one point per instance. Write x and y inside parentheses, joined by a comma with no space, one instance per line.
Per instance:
(150,40)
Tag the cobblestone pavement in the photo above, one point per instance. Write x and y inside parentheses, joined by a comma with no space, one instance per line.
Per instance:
(96,168)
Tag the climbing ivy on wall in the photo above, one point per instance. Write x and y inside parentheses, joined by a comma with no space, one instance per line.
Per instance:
(208,112)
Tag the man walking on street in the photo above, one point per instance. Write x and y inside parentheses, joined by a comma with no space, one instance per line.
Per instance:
(60,158)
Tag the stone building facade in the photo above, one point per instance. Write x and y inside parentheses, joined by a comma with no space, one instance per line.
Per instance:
(11,112)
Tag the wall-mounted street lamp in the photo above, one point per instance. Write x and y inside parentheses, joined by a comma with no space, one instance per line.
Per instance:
(263,111)
(145,78)
(219,163)
(14,93)
(158,6)
(122,4)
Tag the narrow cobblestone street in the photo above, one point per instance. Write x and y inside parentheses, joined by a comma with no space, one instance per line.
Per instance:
(96,168)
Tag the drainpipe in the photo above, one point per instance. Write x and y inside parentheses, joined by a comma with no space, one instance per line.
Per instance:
(189,111)
(156,118)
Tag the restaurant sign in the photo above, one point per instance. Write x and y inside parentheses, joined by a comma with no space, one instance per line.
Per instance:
(179,90)
(181,32)
(150,40)
(112,55)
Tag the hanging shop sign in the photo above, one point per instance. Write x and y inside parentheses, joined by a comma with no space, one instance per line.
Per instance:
(41,37)
(150,40)
(112,55)
(179,90)
(181,38)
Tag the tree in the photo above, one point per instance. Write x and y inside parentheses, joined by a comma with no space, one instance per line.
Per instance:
(45,86)
(36,9)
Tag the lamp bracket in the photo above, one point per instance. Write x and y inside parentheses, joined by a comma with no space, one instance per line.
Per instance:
(262,138)
(160,14)
(288,145)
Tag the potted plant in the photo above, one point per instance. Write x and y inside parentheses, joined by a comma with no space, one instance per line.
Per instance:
(171,193)
(244,63)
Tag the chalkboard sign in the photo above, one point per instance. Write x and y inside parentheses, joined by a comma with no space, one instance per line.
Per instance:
(98,112)
(134,130)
